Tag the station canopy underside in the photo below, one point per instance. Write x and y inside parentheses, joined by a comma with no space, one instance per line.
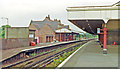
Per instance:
(89,26)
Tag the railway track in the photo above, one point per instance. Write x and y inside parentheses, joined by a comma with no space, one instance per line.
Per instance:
(48,60)
(44,59)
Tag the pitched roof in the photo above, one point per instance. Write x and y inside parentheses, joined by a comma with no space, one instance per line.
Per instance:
(49,26)
(37,26)
(40,24)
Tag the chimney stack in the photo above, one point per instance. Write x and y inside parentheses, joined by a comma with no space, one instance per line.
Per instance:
(55,19)
(48,17)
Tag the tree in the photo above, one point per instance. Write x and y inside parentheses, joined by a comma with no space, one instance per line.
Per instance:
(2,34)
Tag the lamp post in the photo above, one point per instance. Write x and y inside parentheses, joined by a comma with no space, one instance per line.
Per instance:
(7,21)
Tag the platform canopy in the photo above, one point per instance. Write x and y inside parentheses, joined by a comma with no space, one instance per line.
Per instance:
(63,30)
(89,18)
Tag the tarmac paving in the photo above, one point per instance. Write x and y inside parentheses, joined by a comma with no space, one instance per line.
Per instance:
(91,55)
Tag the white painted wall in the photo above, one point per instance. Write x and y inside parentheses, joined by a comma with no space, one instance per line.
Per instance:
(93,13)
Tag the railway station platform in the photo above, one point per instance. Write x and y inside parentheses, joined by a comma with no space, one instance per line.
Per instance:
(10,52)
(91,55)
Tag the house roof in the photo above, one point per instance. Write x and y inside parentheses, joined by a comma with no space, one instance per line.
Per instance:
(40,24)
(37,26)
(49,26)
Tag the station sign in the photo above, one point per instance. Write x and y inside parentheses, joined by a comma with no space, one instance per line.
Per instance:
(98,30)
(31,35)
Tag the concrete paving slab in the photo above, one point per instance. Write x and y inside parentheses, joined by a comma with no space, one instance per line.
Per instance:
(91,55)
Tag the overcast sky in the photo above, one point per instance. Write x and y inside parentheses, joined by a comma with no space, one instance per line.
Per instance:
(21,12)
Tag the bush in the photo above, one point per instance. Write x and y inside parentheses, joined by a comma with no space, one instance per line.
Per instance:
(2,33)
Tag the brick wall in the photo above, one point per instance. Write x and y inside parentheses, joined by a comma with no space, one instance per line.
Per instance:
(34,28)
(112,36)
(46,30)
(14,43)
(113,31)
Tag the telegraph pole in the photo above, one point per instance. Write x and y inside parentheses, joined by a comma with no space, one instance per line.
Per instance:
(6,19)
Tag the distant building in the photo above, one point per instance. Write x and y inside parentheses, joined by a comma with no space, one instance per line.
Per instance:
(45,30)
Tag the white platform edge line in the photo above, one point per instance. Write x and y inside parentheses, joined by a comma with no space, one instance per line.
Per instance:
(60,65)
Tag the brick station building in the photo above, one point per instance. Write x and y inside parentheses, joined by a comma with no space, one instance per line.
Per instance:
(45,30)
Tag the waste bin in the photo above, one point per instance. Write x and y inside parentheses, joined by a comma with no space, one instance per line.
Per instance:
(32,43)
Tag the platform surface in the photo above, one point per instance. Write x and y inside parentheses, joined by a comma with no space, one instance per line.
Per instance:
(10,52)
(91,55)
